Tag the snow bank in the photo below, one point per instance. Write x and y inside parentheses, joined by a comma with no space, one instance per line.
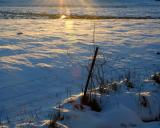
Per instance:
(124,109)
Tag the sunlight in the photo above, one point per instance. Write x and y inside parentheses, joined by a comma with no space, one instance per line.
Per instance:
(69,28)
(69,25)
(66,7)
(63,17)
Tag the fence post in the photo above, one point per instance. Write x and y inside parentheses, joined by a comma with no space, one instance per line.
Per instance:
(91,69)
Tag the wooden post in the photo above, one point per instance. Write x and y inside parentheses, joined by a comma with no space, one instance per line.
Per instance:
(91,69)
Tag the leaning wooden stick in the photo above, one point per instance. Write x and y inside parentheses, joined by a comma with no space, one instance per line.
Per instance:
(91,69)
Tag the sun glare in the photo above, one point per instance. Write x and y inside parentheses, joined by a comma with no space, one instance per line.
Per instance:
(66,9)
(63,17)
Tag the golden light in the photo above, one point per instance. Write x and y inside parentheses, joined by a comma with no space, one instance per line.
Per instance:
(63,17)
(66,7)
(69,25)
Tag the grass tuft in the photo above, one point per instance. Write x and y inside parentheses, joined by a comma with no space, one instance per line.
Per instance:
(91,102)
(156,78)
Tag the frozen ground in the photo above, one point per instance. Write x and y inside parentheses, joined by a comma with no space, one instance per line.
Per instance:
(41,59)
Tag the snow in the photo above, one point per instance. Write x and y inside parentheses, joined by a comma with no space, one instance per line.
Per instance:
(39,66)
(150,125)
(119,109)
(43,61)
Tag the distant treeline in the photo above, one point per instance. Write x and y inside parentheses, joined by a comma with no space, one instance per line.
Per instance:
(29,15)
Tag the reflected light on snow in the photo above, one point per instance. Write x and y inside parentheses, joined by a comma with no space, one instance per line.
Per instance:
(50,39)
(145,93)
(69,25)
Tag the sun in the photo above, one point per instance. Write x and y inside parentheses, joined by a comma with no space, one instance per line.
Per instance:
(63,17)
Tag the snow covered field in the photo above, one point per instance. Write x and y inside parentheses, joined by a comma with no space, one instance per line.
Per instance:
(40,59)
(43,60)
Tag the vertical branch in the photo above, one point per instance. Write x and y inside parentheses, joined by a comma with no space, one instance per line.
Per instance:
(94,31)
(91,69)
